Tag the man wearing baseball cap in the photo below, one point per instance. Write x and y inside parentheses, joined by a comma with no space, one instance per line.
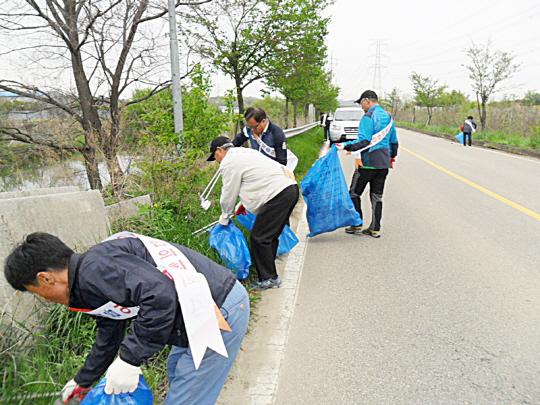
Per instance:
(266,189)
(377,144)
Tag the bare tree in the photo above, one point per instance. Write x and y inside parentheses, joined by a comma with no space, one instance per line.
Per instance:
(487,69)
(106,46)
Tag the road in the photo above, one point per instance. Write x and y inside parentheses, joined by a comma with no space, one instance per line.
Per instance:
(444,308)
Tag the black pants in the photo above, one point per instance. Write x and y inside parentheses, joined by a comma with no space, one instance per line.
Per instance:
(465,136)
(326,133)
(375,178)
(271,220)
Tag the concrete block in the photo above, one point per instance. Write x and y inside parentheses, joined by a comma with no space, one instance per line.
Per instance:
(126,209)
(77,218)
(38,191)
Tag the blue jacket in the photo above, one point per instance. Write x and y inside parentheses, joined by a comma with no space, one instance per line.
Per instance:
(273,137)
(378,156)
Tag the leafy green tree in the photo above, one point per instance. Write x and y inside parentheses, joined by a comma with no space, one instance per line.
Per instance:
(453,98)
(427,93)
(531,98)
(394,102)
(244,38)
(202,121)
(487,69)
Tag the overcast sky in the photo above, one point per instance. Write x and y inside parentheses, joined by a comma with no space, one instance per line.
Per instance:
(427,37)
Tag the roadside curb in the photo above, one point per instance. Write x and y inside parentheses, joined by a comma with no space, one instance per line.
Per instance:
(484,144)
(258,364)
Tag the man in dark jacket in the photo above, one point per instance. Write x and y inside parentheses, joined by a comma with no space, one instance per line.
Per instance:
(325,122)
(133,276)
(263,135)
(468,128)
(377,145)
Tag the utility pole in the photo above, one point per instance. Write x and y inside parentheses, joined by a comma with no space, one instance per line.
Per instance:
(175,73)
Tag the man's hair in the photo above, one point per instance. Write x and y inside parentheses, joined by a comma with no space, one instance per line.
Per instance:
(470,117)
(38,252)
(256,113)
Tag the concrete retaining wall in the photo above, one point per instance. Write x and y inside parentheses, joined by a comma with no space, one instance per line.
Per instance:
(77,217)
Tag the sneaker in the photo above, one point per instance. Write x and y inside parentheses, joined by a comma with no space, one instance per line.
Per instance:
(374,234)
(357,230)
(266,284)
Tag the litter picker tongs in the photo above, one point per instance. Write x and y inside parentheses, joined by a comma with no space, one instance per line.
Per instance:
(205,202)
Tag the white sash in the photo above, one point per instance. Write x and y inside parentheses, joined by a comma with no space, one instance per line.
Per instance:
(375,139)
(193,293)
(292,160)
(469,123)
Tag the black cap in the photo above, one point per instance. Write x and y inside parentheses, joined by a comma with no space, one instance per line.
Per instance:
(367,94)
(216,143)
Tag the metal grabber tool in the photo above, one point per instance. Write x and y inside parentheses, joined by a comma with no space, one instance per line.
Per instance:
(205,202)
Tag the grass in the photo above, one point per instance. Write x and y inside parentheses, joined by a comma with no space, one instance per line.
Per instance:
(500,137)
(51,355)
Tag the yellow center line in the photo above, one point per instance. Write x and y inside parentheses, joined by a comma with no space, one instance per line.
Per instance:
(482,189)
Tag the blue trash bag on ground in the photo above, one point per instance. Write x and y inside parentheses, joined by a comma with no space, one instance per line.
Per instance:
(329,205)
(287,239)
(141,396)
(231,245)
(460,137)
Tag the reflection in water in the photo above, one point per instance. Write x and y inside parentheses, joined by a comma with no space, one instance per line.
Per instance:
(68,173)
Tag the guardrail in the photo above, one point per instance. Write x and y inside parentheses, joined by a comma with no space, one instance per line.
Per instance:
(299,130)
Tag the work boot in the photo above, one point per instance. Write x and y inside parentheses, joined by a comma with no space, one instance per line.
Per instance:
(356,230)
(266,284)
(373,234)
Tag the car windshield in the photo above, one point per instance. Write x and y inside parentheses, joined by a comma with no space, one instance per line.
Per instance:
(350,115)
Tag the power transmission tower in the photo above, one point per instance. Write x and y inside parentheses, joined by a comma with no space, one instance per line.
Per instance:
(377,82)
(332,76)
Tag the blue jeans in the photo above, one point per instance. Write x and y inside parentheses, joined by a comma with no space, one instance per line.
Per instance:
(202,387)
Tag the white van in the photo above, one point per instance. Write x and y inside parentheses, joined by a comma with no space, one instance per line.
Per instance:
(345,123)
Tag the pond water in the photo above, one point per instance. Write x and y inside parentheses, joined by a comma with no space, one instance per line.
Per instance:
(67,173)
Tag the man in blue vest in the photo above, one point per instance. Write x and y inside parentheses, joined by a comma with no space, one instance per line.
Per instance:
(263,135)
(377,141)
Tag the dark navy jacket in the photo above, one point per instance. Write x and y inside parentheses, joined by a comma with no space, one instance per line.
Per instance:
(122,271)
(379,155)
(273,137)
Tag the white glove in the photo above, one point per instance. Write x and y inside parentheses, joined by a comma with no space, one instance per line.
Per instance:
(339,146)
(223,220)
(122,377)
(68,390)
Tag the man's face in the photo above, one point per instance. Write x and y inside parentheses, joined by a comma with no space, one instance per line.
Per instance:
(50,288)
(365,104)
(220,154)
(256,127)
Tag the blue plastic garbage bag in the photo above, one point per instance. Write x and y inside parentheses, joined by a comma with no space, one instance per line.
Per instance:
(329,205)
(231,245)
(141,396)
(287,239)
(460,137)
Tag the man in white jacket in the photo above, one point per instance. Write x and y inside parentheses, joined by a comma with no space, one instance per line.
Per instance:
(266,189)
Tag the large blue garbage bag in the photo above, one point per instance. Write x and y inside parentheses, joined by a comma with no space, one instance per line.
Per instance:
(231,245)
(460,137)
(141,396)
(329,205)
(287,239)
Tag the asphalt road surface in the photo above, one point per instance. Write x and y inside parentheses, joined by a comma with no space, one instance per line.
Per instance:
(444,308)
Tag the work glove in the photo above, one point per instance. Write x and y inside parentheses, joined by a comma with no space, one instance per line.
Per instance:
(240,210)
(122,377)
(392,161)
(340,146)
(73,390)
(223,220)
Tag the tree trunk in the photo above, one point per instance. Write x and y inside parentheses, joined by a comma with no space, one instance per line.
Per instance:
(92,170)
(110,148)
(479,112)
(240,99)
(295,109)
(483,117)
(414,115)
(430,114)
(286,112)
